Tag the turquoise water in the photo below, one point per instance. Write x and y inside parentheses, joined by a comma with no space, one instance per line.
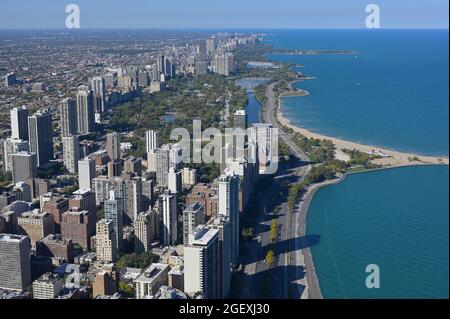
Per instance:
(397,219)
(394,94)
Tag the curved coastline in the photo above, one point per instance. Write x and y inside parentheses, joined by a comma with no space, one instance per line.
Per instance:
(393,158)
(314,291)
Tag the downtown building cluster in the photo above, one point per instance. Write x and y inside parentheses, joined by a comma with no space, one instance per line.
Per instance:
(156,202)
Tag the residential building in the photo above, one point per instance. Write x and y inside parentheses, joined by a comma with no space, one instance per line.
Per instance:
(149,282)
(15,262)
(71,153)
(201,263)
(40,136)
(106,246)
(48,286)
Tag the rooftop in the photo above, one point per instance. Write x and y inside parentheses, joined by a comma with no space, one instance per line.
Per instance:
(12,238)
(202,236)
(151,273)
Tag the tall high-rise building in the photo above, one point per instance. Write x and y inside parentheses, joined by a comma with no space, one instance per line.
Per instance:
(193,216)
(19,123)
(15,262)
(201,67)
(10,79)
(168,211)
(152,141)
(78,225)
(99,93)
(56,205)
(133,165)
(148,186)
(84,199)
(113,146)
(145,231)
(40,132)
(263,136)
(229,207)
(10,147)
(85,111)
(168,156)
(71,153)
(240,119)
(106,246)
(224,64)
(210,46)
(55,246)
(24,166)
(174,181)
(114,211)
(36,225)
(201,263)
(162,166)
(143,79)
(86,173)
(68,113)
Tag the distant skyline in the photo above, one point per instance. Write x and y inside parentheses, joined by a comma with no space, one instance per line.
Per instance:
(230,14)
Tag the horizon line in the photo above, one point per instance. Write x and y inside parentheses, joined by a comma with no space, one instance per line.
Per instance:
(216,28)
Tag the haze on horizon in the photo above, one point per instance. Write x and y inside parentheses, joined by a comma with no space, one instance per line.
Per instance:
(234,14)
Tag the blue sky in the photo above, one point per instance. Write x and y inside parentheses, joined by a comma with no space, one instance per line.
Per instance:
(223,13)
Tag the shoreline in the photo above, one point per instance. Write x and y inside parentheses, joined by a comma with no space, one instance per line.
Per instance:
(397,160)
(393,159)
(314,290)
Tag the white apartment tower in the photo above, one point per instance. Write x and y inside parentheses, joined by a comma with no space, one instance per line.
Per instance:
(71,153)
(86,173)
(201,263)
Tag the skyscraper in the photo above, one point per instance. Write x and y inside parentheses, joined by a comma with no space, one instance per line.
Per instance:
(85,111)
(193,216)
(240,119)
(68,113)
(78,225)
(114,211)
(40,131)
(222,224)
(10,79)
(210,46)
(99,93)
(106,245)
(36,225)
(174,181)
(201,263)
(15,263)
(168,211)
(24,166)
(229,207)
(152,141)
(224,64)
(10,147)
(263,136)
(113,146)
(145,231)
(71,153)
(19,123)
(86,172)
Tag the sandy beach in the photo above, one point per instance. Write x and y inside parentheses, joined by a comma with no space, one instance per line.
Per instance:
(393,159)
